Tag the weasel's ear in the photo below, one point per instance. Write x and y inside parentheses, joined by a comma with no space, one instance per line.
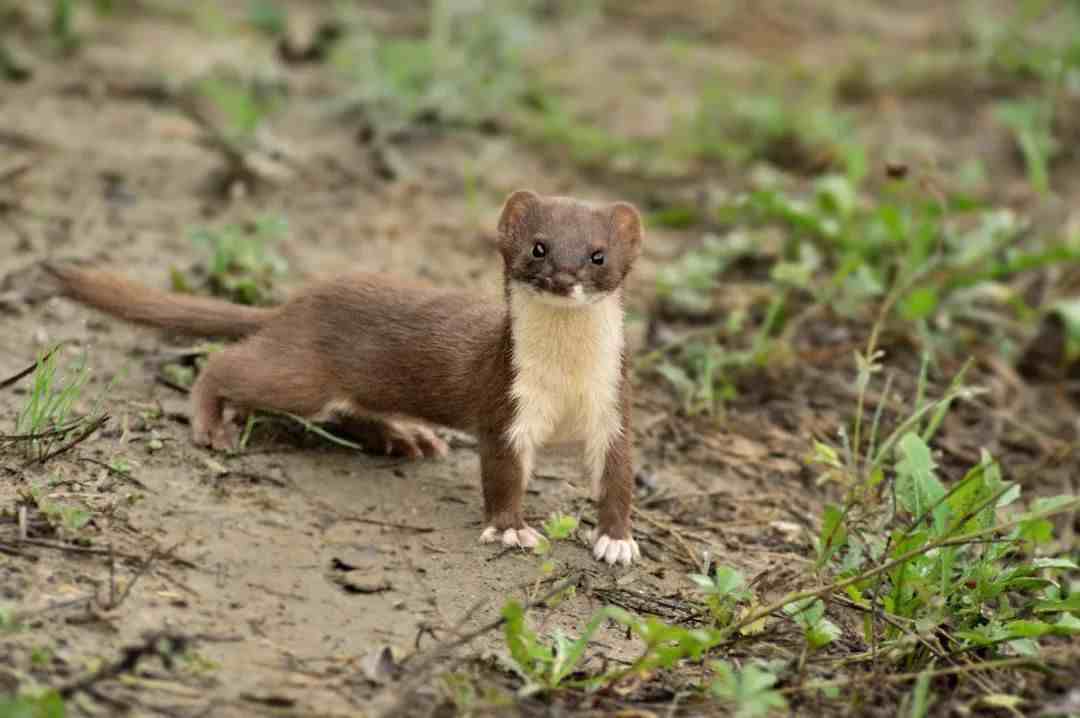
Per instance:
(627,224)
(516,211)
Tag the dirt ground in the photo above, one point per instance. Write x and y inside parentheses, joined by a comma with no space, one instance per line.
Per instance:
(293,564)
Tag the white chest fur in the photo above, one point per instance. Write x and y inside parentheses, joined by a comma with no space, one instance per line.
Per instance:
(568,366)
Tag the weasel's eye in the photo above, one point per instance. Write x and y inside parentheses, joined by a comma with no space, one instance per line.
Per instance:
(597,258)
(539,250)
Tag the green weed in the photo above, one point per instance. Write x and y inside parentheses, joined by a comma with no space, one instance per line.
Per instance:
(799,133)
(467,68)
(46,704)
(62,30)
(541,664)
(749,691)
(549,664)
(945,569)
(1031,122)
(920,698)
(560,527)
(268,17)
(66,518)
(724,589)
(242,105)
(470,697)
(8,618)
(845,249)
(1039,41)
(241,263)
(809,614)
(703,364)
(543,119)
(62,25)
(1068,311)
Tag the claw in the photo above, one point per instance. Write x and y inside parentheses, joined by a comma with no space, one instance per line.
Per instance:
(613,551)
(524,537)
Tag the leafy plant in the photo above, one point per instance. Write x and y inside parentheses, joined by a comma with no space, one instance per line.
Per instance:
(544,665)
(241,264)
(560,527)
(243,106)
(750,691)
(267,16)
(724,589)
(66,518)
(547,665)
(941,566)
(819,631)
(666,645)
(47,704)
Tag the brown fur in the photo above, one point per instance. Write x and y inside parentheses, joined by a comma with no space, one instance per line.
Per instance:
(371,348)
(617,484)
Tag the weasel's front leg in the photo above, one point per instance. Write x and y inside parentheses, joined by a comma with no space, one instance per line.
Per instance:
(504,471)
(613,484)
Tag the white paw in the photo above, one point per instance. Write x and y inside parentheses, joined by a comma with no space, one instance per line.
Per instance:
(624,551)
(524,537)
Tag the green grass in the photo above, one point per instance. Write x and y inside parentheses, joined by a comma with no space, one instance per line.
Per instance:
(47,418)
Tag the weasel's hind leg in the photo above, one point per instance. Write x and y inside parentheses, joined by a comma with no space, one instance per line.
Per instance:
(381,435)
(248,376)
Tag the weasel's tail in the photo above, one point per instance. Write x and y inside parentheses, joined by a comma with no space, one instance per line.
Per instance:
(198,316)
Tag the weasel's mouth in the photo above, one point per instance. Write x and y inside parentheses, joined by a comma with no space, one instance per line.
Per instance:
(574,295)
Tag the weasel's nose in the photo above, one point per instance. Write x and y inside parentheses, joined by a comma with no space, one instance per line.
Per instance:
(563,281)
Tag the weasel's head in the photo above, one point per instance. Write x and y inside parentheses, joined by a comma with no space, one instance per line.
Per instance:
(567,252)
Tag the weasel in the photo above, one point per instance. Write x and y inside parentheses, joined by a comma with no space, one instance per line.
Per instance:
(385,358)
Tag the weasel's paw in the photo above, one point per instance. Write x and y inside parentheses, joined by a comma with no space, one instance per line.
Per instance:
(200,436)
(524,537)
(397,438)
(416,442)
(223,437)
(624,551)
